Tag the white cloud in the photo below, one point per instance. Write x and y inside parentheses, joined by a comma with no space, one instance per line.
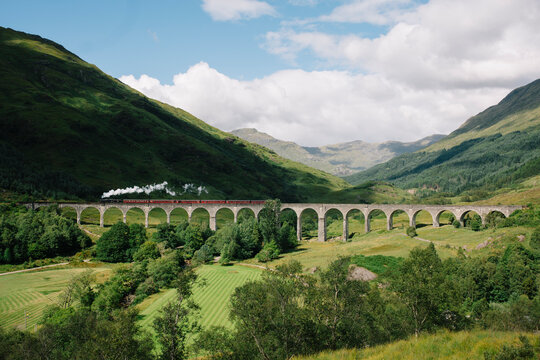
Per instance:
(320,107)
(225,10)
(444,43)
(378,12)
(438,64)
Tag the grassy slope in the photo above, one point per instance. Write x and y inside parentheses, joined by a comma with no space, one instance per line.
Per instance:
(443,345)
(495,147)
(213,297)
(447,240)
(31,292)
(68,127)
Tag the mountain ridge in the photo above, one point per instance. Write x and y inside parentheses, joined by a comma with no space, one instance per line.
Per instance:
(340,159)
(496,148)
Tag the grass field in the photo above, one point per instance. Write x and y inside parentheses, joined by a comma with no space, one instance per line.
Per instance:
(447,240)
(213,297)
(443,345)
(31,292)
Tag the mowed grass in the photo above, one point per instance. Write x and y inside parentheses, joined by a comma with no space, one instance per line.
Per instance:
(442,345)
(31,292)
(212,297)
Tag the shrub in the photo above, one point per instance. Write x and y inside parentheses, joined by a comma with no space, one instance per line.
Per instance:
(456,224)
(411,231)
(534,241)
(269,252)
(148,250)
(203,255)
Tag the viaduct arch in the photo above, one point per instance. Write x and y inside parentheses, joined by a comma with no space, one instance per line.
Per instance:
(411,210)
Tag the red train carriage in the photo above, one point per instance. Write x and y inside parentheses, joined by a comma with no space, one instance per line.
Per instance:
(211,202)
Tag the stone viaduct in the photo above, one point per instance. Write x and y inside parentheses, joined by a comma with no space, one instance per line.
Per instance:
(411,210)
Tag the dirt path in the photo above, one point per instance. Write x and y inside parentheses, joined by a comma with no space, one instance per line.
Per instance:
(32,269)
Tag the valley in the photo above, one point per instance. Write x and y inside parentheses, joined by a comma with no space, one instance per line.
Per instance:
(178,240)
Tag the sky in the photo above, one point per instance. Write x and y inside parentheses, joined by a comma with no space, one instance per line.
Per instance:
(316,72)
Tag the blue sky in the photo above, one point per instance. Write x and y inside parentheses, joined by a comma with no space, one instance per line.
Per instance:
(312,71)
(165,37)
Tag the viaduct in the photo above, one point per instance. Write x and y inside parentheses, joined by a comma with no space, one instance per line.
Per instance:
(412,211)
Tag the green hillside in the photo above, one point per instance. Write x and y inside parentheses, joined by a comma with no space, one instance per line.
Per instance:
(495,148)
(68,130)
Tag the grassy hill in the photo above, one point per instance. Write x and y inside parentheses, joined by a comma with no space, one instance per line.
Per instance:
(443,345)
(338,159)
(69,130)
(493,149)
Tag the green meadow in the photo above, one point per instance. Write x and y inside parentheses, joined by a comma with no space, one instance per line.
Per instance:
(27,294)
(217,283)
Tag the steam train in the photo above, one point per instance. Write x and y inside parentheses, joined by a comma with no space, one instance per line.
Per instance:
(151,201)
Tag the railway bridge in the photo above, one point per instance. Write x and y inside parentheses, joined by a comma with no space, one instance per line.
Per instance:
(322,210)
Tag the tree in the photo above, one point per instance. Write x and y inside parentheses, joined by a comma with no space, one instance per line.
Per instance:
(418,283)
(148,250)
(534,241)
(115,244)
(269,220)
(167,234)
(269,252)
(177,319)
(411,231)
(268,315)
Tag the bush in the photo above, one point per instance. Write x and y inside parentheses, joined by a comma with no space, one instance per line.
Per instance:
(534,241)
(269,252)
(456,224)
(203,255)
(114,245)
(147,251)
(411,231)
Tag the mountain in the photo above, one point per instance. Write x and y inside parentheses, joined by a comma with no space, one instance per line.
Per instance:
(498,147)
(339,159)
(68,130)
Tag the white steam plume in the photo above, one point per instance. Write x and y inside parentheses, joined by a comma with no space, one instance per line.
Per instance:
(147,189)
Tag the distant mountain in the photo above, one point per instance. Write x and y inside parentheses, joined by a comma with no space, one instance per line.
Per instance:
(69,130)
(339,159)
(495,148)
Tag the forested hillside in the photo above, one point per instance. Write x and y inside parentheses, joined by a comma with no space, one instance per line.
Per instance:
(68,130)
(495,148)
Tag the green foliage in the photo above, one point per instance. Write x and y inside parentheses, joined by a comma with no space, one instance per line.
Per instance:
(39,234)
(203,255)
(269,223)
(456,224)
(269,252)
(147,251)
(167,233)
(119,244)
(534,241)
(165,270)
(178,319)
(79,334)
(411,231)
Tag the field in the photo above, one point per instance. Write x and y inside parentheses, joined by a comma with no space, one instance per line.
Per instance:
(31,292)
(213,297)
(443,345)
(447,240)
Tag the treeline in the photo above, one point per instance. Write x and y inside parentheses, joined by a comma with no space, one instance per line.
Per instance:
(488,163)
(264,239)
(27,235)
(289,313)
